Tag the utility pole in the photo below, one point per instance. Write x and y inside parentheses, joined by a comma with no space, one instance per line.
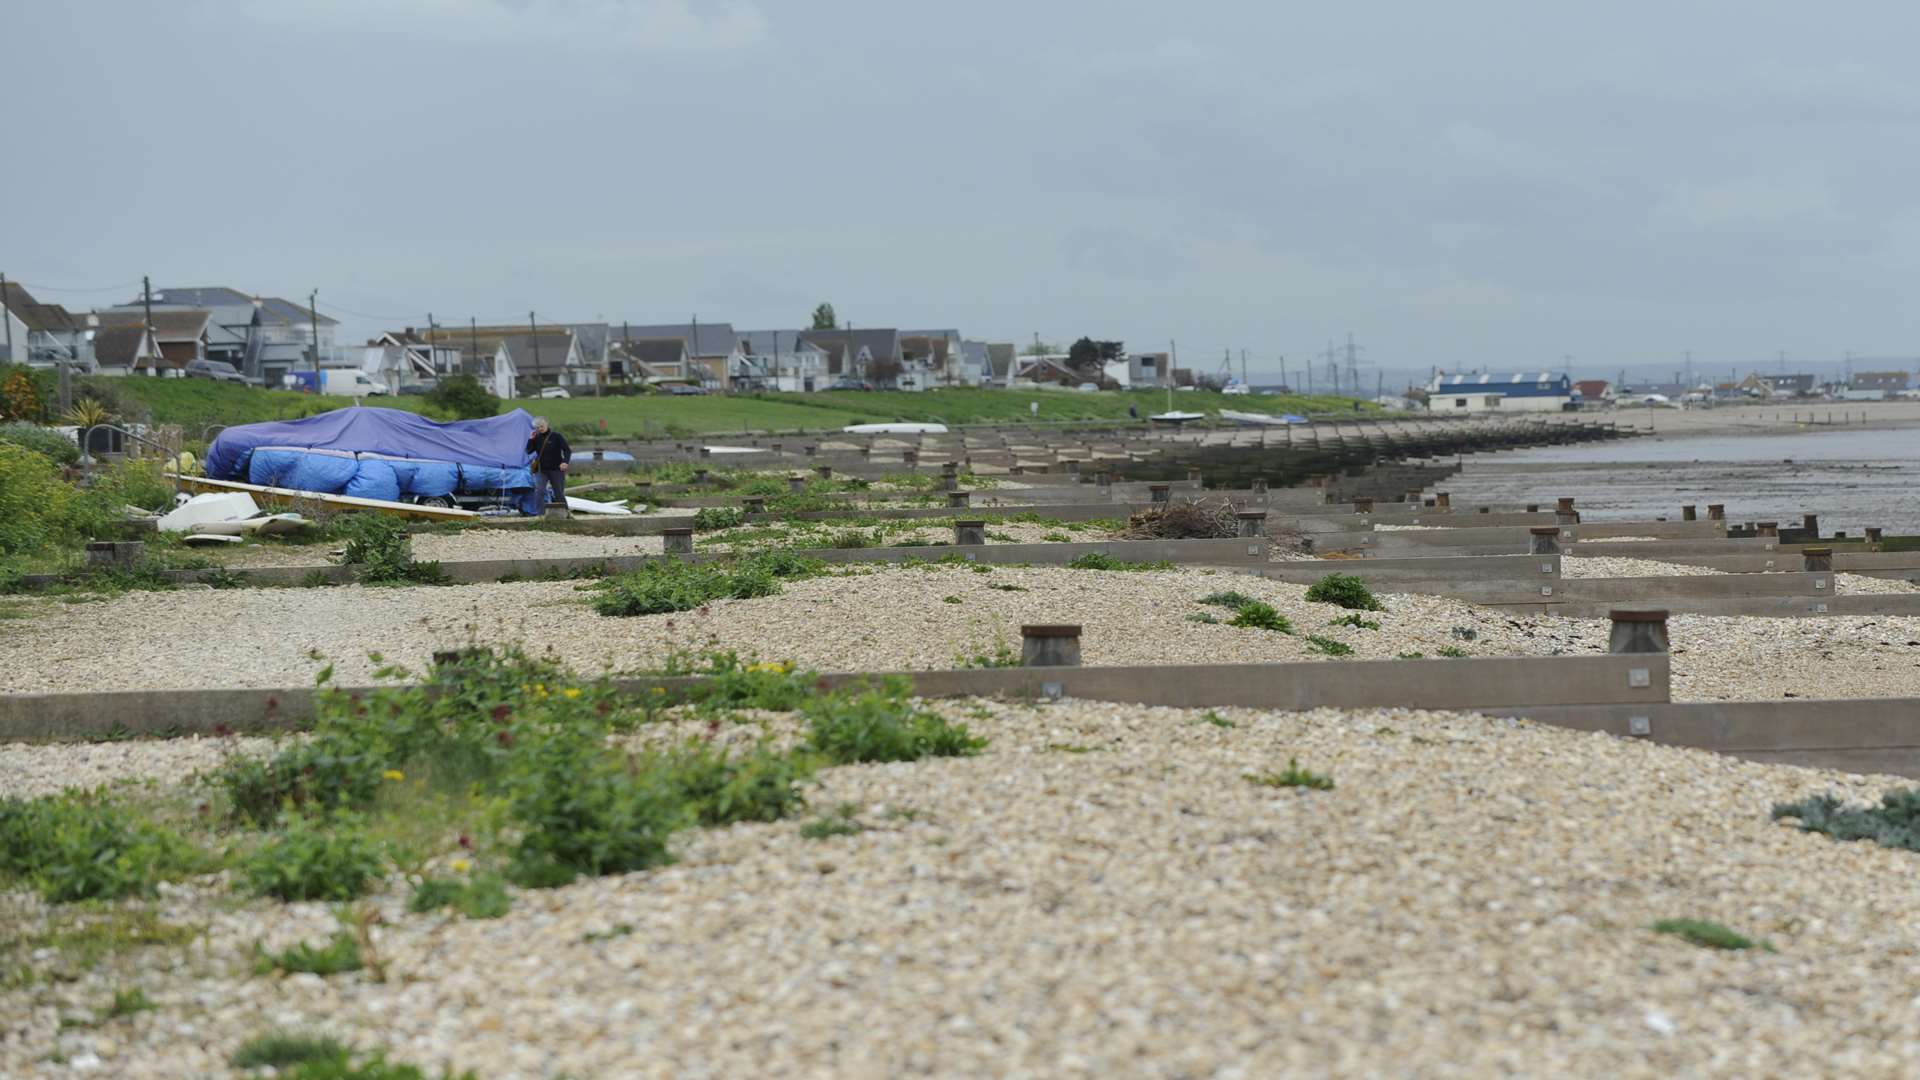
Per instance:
(473,327)
(1243,369)
(146,301)
(533,333)
(626,345)
(313,314)
(1283,372)
(693,346)
(1353,364)
(433,335)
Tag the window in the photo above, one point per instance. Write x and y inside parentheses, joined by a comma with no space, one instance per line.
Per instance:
(1459,403)
(1493,403)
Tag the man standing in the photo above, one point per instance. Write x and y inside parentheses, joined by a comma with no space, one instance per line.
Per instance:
(549,454)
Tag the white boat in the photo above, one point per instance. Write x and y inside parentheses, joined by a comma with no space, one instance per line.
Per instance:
(1260,418)
(1176,417)
(895,429)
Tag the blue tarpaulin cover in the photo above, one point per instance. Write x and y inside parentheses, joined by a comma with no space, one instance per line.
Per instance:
(393,453)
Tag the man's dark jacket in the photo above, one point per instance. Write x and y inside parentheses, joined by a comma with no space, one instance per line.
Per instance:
(552,448)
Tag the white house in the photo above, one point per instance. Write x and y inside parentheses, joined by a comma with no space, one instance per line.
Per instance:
(1527,392)
(784,360)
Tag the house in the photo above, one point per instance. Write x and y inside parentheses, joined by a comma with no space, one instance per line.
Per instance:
(785,360)
(422,359)
(1889,383)
(1789,385)
(870,355)
(714,355)
(651,360)
(975,363)
(122,348)
(1523,392)
(264,337)
(549,357)
(180,333)
(1051,369)
(931,358)
(1148,370)
(1002,362)
(42,334)
(1594,393)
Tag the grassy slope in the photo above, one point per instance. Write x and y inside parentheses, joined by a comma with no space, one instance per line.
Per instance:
(196,403)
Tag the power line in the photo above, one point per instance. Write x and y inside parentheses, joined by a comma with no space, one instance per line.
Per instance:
(103,289)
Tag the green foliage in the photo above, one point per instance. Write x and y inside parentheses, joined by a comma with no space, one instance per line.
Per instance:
(1344,590)
(484,896)
(1203,617)
(709,518)
(1217,720)
(1354,620)
(82,845)
(35,506)
(1411,656)
(1231,599)
(587,812)
(382,548)
(277,1050)
(128,1002)
(45,441)
(672,585)
(841,822)
(23,393)
(1327,646)
(733,683)
(1293,776)
(1895,823)
(1707,935)
(824,318)
(1261,616)
(1100,560)
(1001,656)
(721,789)
(340,954)
(1452,652)
(331,858)
(881,724)
(1002,586)
(461,397)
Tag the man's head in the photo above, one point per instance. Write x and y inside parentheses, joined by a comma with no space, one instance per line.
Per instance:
(539,424)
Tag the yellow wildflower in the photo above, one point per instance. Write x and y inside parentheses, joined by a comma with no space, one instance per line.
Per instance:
(659,689)
(539,689)
(393,774)
(460,866)
(571,691)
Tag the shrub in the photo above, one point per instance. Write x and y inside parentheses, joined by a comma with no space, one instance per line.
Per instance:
(82,846)
(1100,560)
(1355,621)
(839,823)
(461,397)
(672,585)
(330,859)
(1707,935)
(882,725)
(1001,656)
(585,812)
(338,955)
(128,1002)
(1261,616)
(44,441)
(34,504)
(1895,823)
(1229,599)
(1327,646)
(708,518)
(721,789)
(1293,776)
(382,548)
(484,896)
(732,683)
(1452,652)
(308,1057)
(1344,590)
(278,1050)
(23,393)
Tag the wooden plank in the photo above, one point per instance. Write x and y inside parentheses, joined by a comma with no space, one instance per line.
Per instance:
(279,496)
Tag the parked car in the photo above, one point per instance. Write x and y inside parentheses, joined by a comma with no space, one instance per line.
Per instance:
(217,370)
(554,392)
(849,384)
(683,389)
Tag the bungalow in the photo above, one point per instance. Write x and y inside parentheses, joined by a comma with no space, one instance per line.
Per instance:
(1889,383)
(713,350)
(650,360)
(41,334)
(1594,393)
(1137,370)
(550,357)
(931,358)
(123,348)
(1527,392)
(869,355)
(181,335)
(784,360)
(1002,362)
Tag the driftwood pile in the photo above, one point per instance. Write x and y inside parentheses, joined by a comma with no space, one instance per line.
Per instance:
(1184,519)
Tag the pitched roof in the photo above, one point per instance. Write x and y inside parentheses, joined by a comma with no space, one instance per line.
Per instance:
(880,345)
(116,346)
(204,296)
(549,358)
(50,318)
(169,324)
(715,339)
(761,342)
(1000,355)
(273,309)
(657,352)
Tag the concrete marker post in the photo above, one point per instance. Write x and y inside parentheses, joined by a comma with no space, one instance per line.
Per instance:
(959,500)
(1811,523)
(1443,499)
(1637,632)
(1195,480)
(756,504)
(824,472)
(796,485)
(970,533)
(677,541)
(1687,513)
(1160,494)
(1873,537)
(1768,528)
(1252,522)
(1817,559)
(1544,540)
(1716,512)
(1050,645)
(1362,506)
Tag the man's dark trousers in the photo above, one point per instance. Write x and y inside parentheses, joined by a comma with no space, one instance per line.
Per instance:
(549,478)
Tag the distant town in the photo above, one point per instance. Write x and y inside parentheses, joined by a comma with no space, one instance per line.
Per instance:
(229,334)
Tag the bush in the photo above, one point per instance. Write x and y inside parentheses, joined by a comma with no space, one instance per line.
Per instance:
(882,725)
(340,954)
(382,548)
(482,897)
(35,506)
(1100,560)
(1327,646)
(1895,823)
(709,518)
(671,585)
(1344,590)
(1260,616)
(82,846)
(44,441)
(720,790)
(585,812)
(310,1057)
(1293,776)
(1354,621)
(461,397)
(1229,599)
(326,859)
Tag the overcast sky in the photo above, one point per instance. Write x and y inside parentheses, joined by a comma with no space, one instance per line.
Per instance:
(1476,183)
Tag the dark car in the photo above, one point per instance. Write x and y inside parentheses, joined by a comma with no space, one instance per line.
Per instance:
(217,370)
(682,389)
(849,384)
